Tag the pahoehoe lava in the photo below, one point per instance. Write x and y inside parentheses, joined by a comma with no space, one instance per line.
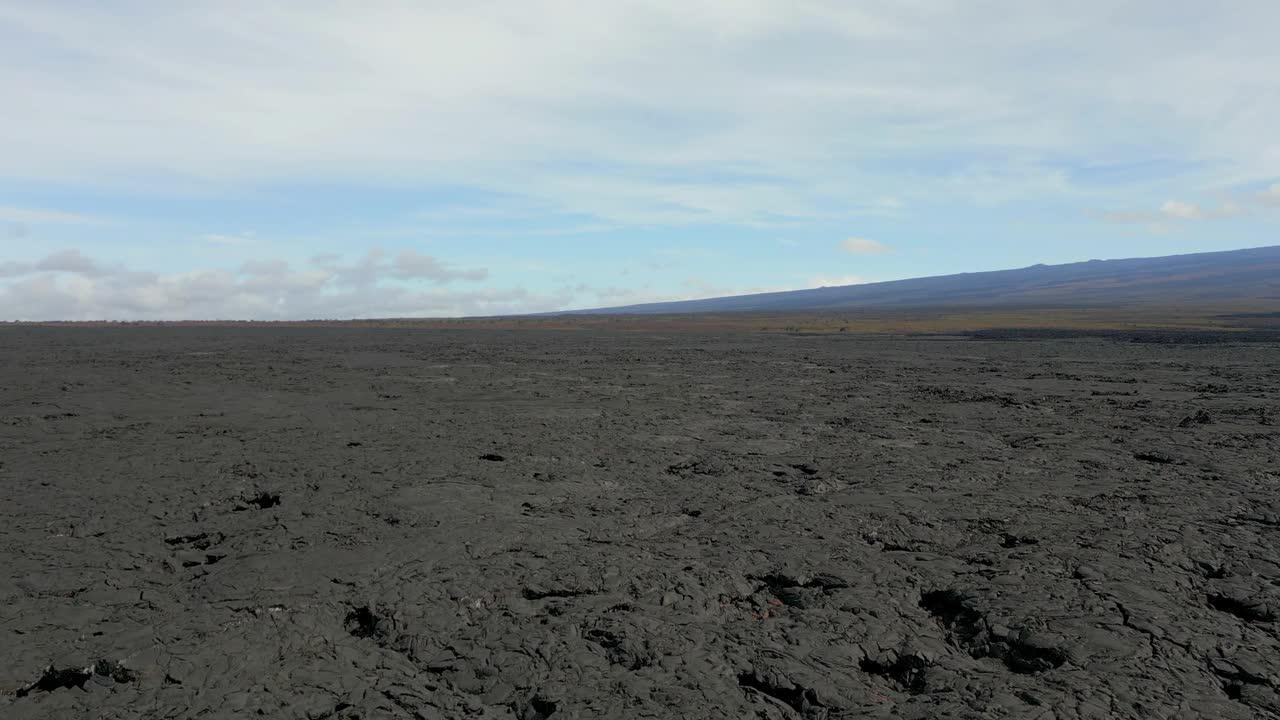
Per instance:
(361,522)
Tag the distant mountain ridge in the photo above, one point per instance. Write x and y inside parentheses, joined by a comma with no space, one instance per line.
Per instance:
(1218,278)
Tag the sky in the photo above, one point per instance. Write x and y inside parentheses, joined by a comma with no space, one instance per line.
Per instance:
(323,159)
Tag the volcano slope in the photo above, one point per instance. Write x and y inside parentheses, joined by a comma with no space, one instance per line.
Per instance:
(390,523)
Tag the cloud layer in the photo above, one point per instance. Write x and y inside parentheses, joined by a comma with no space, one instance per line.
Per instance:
(1177,211)
(642,111)
(557,144)
(68,285)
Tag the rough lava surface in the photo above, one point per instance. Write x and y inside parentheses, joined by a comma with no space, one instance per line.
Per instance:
(376,523)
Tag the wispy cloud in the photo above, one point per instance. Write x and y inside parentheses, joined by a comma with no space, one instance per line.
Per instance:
(37,216)
(1172,212)
(864,246)
(67,261)
(1181,210)
(536,142)
(758,113)
(405,265)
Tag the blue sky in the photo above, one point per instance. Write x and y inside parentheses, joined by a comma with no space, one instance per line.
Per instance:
(332,159)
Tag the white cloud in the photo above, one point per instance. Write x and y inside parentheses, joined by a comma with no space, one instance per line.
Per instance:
(67,285)
(698,110)
(72,261)
(1176,211)
(864,246)
(410,265)
(1181,210)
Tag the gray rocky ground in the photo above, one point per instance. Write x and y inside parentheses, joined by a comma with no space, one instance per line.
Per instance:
(379,523)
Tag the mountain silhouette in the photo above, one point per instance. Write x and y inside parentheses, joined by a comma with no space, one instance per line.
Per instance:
(1232,278)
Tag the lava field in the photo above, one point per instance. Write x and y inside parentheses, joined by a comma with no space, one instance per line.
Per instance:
(363,522)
